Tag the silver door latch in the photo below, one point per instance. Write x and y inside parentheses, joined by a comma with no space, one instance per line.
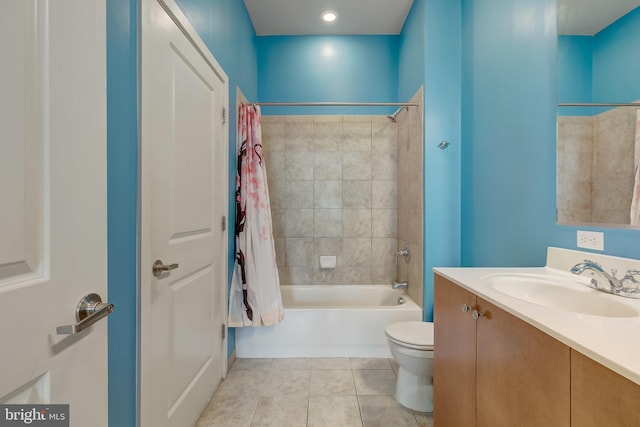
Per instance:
(89,310)
(159,268)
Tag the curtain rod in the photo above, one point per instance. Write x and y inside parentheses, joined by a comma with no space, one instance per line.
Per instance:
(590,104)
(336,104)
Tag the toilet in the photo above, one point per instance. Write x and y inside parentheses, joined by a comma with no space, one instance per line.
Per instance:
(411,344)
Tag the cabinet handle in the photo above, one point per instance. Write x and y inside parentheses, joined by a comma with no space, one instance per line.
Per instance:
(465,308)
(476,314)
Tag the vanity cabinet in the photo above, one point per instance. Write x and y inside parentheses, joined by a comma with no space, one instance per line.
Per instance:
(496,370)
(601,397)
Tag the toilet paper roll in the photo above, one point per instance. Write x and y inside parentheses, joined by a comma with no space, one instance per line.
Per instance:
(328,262)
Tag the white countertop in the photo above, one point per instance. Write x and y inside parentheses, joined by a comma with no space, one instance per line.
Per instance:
(612,341)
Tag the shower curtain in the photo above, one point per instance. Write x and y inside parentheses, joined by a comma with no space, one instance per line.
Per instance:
(255,298)
(635,202)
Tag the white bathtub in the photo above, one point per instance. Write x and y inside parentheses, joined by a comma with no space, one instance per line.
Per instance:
(330,321)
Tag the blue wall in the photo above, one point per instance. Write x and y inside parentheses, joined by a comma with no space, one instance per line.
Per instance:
(600,68)
(575,74)
(325,69)
(122,196)
(508,131)
(508,161)
(616,60)
(430,55)
(413,39)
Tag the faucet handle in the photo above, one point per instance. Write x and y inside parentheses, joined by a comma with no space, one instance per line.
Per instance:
(614,271)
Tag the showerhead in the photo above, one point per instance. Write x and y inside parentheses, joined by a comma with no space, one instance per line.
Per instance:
(394,117)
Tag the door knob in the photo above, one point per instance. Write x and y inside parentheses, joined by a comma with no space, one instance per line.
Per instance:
(159,267)
(89,310)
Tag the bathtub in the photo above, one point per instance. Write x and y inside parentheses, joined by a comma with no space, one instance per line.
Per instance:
(330,321)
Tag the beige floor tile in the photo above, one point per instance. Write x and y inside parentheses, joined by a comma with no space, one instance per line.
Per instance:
(281,411)
(247,383)
(374,382)
(331,363)
(229,411)
(385,411)
(292,382)
(424,419)
(333,411)
(251,364)
(366,363)
(394,365)
(291,364)
(332,383)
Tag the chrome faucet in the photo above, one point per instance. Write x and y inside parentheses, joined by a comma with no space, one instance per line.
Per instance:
(399,285)
(627,286)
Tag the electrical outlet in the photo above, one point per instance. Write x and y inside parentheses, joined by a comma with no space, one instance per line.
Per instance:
(591,240)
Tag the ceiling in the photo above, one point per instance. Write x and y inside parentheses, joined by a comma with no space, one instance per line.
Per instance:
(302,17)
(587,17)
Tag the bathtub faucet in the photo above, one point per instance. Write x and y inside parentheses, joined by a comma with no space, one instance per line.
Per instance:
(399,285)
(404,253)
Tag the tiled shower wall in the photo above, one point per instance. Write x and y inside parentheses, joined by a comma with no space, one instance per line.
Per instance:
(410,197)
(595,166)
(333,190)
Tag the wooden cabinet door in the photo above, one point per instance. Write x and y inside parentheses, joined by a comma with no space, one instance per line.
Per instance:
(454,376)
(523,374)
(601,397)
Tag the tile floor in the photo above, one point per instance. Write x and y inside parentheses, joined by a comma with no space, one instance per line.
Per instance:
(334,392)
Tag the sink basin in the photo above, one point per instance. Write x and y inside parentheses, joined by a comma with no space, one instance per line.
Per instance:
(561,293)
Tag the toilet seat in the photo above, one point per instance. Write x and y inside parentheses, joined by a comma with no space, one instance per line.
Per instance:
(416,335)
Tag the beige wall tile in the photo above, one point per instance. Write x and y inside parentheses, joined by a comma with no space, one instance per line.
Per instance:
(299,252)
(384,166)
(384,222)
(327,194)
(384,137)
(327,137)
(299,194)
(327,165)
(356,194)
(356,165)
(299,165)
(327,223)
(356,222)
(356,275)
(356,136)
(298,136)
(384,194)
(277,193)
(356,251)
(299,223)
(275,163)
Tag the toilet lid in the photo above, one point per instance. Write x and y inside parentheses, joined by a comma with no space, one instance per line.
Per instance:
(414,333)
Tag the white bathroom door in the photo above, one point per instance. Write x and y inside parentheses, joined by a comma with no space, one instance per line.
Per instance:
(184,204)
(53,241)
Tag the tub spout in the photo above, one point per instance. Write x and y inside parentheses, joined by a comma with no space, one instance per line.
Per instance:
(399,285)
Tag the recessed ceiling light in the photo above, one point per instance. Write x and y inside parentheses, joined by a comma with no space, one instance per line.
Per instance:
(329,16)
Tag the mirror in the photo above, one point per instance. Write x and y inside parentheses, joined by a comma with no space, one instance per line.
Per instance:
(598,126)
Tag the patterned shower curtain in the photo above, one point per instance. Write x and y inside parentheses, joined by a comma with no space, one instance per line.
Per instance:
(255,298)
